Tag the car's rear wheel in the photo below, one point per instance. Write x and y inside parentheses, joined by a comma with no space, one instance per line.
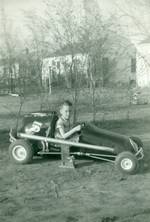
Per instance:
(127,163)
(21,152)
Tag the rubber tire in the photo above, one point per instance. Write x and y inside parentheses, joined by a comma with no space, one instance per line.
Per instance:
(132,158)
(28,148)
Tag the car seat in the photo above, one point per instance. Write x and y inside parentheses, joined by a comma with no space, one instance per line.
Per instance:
(53,125)
(51,128)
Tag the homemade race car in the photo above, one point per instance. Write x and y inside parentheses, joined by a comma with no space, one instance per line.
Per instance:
(35,136)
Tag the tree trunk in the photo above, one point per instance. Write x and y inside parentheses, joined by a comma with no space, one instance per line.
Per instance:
(75,99)
(93,101)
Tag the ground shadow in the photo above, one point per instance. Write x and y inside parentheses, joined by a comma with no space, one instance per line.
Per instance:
(45,158)
(83,163)
(79,161)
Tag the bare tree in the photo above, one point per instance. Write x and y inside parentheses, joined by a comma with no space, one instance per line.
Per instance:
(87,34)
(130,17)
(95,42)
(63,26)
(8,49)
(36,45)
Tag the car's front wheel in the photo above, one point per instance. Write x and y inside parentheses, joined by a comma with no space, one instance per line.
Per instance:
(20,151)
(126,162)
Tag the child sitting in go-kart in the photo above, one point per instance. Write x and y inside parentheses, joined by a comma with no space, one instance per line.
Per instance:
(62,128)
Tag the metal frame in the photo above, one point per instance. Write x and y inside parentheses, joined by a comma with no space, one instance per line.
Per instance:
(91,155)
(67,159)
(65,142)
(140,154)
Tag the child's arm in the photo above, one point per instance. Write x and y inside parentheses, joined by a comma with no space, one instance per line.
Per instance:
(70,132)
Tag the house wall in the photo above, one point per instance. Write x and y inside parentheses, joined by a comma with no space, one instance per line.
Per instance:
(60,66)
(121,71)
(143,65)
(119,67)
(121,54)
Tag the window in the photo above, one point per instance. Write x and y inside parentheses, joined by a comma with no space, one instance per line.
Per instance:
(133,65)
(105,65)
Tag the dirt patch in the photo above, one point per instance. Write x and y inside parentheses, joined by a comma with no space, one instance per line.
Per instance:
(94,191)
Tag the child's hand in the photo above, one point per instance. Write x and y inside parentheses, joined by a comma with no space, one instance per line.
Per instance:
(78,128)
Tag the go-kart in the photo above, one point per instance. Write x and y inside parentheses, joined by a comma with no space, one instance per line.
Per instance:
(36,137)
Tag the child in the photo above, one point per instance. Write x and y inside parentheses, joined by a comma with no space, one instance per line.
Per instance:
(62,129)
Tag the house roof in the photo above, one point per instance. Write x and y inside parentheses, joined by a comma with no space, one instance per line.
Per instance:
(146,40)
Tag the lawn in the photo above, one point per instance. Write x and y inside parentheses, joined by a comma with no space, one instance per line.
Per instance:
(94,191)
(111,104)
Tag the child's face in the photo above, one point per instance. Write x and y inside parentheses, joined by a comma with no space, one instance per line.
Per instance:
(65,112)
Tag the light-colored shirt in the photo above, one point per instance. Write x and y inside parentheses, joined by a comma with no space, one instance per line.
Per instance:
(63,124)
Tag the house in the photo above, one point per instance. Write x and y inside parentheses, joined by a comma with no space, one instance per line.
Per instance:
(59,66)
(143,63)
(117,64)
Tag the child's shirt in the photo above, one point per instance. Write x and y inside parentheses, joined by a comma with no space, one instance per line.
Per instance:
(63,124)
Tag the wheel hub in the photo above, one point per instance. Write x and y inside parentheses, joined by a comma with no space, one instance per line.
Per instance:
(19,153)
(126,164)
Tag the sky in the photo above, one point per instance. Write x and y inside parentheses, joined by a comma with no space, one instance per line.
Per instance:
(14,6)
(14,9)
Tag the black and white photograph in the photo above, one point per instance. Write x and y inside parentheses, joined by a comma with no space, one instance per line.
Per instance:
(74,111)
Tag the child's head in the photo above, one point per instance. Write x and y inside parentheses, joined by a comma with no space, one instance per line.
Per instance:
(65,109)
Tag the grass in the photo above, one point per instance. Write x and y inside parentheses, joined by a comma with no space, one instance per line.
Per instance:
(94,191)
(110,104)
